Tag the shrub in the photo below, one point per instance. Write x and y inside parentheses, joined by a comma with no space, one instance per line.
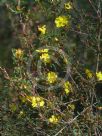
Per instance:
(53,84)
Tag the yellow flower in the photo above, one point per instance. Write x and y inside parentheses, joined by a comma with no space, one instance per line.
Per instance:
(42,29)
(45,57)
(68,5)
(56,39)
(42,50)
(99,76)
(21,113)
(18,53)
(53,119)
(23,86)
(88,73)
(71,106)
(67,84)
(37,102)
(65,60)
(67,90)
(51,77)
(67,87)
(18,8)
(61,21)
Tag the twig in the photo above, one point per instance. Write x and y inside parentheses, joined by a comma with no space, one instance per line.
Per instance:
(6,76)
(99,37)
(70,122)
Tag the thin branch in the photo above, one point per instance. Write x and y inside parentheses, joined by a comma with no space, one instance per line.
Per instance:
(70,122)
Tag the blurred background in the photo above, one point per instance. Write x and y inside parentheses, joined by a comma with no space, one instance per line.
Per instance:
(8,39)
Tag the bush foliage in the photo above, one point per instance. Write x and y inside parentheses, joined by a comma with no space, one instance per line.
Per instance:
(54,87)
